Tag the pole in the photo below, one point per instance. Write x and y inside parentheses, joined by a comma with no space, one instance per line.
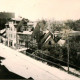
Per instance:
(68,53)
(16,40)
(67,35)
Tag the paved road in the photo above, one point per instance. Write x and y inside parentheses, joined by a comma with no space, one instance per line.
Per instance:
(6,74)
(28,67)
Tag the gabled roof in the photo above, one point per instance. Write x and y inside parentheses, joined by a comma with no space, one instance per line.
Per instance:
(25,32)
(2,31)
(16,19)
(45,37)
(61,42)
(48,38)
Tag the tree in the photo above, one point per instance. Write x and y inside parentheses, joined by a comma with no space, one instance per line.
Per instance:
(75,25)
(2,23)
(56,51)
(41,54)
(21,25)
(74,44)
(33,44)
(38,32)
(55,26)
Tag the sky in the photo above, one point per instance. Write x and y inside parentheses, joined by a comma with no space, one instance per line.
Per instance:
(43,9)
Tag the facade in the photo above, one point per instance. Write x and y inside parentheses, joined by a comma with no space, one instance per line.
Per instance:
(48,40)
(18,31)
(31,26)
(23,39)
(11,31)
(48,43)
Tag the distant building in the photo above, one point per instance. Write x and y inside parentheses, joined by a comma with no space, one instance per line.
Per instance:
(48,40)
(11,31)
(23,39)
(61,42)
(18,31)
(3,36)
(6,15)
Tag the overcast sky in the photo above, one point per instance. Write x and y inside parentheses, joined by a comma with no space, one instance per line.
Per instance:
(43,9)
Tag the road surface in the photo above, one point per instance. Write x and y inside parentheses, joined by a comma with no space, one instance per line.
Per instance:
(27,67)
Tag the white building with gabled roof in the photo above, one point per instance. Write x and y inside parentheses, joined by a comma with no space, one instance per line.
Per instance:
(11,31)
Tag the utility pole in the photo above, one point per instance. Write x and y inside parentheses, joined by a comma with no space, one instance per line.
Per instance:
(68,54)
(66,34)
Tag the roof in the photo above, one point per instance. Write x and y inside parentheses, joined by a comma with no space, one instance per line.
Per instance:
(45,37)
(30,23)
(46,31)
(2,31)
(17,19)
(27,67)
(61,42)
(75,33)
(48,38)
(22,49)
(25,32)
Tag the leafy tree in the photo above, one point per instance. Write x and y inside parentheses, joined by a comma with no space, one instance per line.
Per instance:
(55,26)
(38,32)
(56,51)
(75,25)
(21,25)
(33,44)
(41,53)
(2,23)
(74,45)
(70,23)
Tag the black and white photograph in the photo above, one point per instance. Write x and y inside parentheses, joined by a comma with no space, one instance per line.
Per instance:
(39,39)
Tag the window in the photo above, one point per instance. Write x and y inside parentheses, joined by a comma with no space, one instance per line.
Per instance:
(11,35)
(11,29)
(14,29)
(49,43)
(14,36)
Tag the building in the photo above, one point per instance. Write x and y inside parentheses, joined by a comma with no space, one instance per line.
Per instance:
(7,15)
(4,17)
(11,31)
(17,30)
(23,39)
(48,40)
(3,36)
